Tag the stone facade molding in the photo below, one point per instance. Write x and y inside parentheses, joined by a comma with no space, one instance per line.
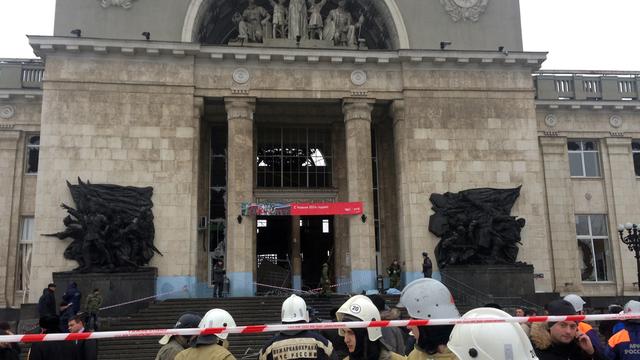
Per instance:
(358,77)
(44,45)
(615,121)
(7,111)
(240,108)
(241,75)
(357,109)
(125,4)
(551,120)
(465,9)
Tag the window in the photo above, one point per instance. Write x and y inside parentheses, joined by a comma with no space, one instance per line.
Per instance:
(293,157)
(325,226)
(583,158)
(593,246)
(33,152)
(635,149)
(25,245)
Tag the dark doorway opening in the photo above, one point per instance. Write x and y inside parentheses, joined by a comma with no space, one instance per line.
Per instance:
(273,247)
(316,248)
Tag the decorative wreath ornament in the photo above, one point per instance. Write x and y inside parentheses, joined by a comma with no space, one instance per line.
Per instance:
(465,9)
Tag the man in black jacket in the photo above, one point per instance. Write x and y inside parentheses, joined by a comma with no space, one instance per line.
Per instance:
(562,340)
(86,349)
(52,350)
(47,302)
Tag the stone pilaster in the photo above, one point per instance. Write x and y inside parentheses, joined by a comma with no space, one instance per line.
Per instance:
(622,209)
(562,222)
(410,255)
(357,117)
(8,153)
(241,248)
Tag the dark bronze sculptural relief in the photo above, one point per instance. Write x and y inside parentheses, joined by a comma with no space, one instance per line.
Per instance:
(111,227)
(475,226)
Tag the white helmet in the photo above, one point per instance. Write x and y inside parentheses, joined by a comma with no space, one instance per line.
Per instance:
(361,307)
(428,299)
(216,318)
(490,341)
(576,301)
(632,307)
(294,309)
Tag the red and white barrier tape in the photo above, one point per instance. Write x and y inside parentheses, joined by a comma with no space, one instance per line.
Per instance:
(331,286)
(253,329)
(184,289)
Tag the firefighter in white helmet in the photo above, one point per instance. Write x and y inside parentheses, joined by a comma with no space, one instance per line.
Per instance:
(289,345)
(363,344)
(211,347)
(490,341)
(427,299)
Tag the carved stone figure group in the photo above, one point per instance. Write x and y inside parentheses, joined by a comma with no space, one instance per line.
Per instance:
(300,20)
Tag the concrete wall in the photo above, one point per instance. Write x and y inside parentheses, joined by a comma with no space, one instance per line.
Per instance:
(162,18)
(111,119)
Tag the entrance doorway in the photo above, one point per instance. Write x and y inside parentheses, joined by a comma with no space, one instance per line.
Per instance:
(273,248)
(316,248)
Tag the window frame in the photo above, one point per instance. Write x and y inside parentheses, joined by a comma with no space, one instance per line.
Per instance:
(23,243)
(633,158)
(27,149)
(582,152)
(610,270)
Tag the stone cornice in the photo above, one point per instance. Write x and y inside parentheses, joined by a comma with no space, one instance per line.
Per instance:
(29,94)
(45,45)
(588,105)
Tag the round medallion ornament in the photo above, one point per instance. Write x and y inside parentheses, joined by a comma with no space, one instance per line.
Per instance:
(615,121)
(241,75)
(7,111)
(551,120)
(358,77)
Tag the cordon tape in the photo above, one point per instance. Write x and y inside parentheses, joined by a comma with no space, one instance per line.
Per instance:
(253,329)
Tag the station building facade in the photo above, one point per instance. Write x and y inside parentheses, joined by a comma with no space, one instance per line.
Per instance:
(432,97)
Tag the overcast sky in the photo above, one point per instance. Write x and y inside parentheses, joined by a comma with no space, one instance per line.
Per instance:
(578,34)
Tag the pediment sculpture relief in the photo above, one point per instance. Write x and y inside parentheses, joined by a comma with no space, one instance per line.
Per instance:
(465,9)
(125,4)
(299,20)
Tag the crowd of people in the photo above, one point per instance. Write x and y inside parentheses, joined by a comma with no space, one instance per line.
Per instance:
(423,299)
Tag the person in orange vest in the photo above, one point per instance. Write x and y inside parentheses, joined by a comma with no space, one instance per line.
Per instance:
(625,344)
(578,304)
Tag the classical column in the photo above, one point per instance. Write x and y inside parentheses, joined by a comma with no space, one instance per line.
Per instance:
(357,118)
(296,262)
(410,253)
(241,251)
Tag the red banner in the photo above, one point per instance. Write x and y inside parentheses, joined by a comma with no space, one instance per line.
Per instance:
(275,209)
(344,208)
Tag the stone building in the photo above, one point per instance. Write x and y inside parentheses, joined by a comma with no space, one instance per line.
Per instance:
(399,100)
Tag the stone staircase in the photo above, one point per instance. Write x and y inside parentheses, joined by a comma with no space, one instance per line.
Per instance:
(246,311)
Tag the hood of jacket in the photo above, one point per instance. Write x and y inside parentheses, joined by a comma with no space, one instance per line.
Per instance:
(540,336)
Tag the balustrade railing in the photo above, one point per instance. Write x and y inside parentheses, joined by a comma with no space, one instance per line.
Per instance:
(587,86)
(21,74)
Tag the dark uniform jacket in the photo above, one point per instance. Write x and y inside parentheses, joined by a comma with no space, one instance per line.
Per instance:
(625,344)
(547,350)
(298,345)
